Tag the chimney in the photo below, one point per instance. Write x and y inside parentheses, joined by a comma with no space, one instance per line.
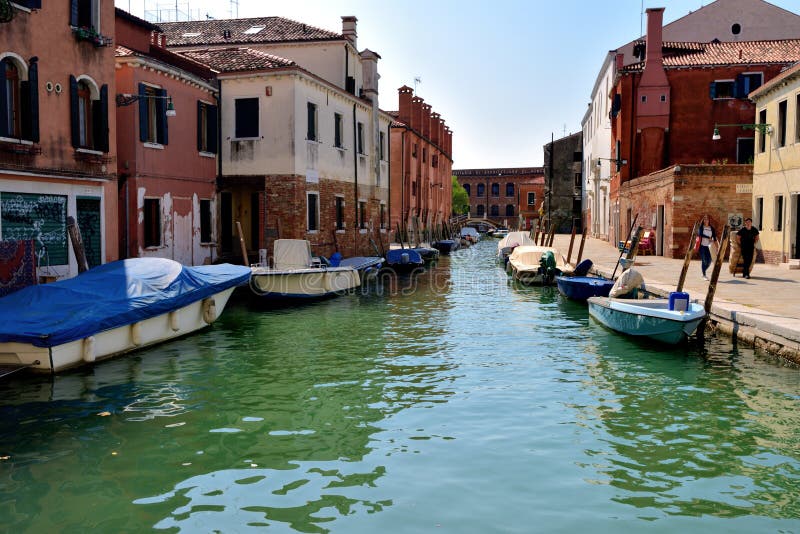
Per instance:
(436,128)
(416,113)
(369,66)
(349,29)
(404,96)
(654,40)
(426,120)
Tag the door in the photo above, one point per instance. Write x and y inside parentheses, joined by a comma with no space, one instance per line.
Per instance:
(182,235)
(88,216)
(226,222)
(794,221)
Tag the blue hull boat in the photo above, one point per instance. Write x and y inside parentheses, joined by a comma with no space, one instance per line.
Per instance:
(647,318)
(404,260)
(446,246)
(582,287)
(428,254)
(367,266)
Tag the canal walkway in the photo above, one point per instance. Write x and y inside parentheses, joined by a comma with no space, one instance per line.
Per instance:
(763,310)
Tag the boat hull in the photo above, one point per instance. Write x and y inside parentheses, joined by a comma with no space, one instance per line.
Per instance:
(648,318)
(119,340)
(446,246)
(303,283)
(367,266)
(583,287)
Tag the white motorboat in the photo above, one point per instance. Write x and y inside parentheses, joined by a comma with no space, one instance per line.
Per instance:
(511,241)
(536,265)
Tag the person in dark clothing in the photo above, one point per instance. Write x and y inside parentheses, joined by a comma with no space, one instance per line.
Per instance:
(707,236)
(747,237)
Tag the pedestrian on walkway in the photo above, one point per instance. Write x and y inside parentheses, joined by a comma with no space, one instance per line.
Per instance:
(747,237)
(707,235)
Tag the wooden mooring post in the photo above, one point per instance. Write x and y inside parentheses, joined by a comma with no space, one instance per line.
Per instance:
(77,244)
(580,249)
(571,242)
(241,243)
(687,259)
(712,285)
(622,248)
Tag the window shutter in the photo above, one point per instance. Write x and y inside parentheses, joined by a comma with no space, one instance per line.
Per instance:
(161,114)
(200,132)
(211,124)
(712,90)
(33,4)
(33,95)
(143,127)
(616,105)
(73,111)
(3,102)
(73,13)
(101,120)
(739,89)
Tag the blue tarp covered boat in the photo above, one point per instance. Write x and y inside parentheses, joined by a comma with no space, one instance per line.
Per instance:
(108,298)
(404,259)
(583,287)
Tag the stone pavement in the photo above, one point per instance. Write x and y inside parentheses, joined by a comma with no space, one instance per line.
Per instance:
(763,311)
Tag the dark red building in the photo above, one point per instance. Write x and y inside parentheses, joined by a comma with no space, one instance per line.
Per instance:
(496,194)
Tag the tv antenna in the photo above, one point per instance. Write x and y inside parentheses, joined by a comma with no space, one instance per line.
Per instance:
(417,80)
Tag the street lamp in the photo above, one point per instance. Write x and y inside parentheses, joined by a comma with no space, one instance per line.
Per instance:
(762,129)
(619,161)
(126,99)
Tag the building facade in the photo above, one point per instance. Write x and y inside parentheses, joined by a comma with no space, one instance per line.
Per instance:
(422,163)
(167,183)
(496,194)
(57,156)
(776,169)
(563,183)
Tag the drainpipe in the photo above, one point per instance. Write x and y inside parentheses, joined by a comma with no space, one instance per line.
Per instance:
(355,178)
(402,176)
(389,180)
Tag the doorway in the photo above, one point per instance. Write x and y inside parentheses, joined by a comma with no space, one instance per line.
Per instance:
(794,222)
(88,215)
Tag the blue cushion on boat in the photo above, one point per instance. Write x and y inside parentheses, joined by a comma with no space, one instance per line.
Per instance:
(582,269)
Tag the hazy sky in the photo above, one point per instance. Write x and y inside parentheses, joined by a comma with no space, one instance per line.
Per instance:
(504,74)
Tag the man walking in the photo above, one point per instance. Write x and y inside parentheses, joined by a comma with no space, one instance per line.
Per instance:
(747,237)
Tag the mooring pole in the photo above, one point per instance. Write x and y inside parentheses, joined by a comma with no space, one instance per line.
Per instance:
(77,244)
(687,259)
(580,249)
(571,241)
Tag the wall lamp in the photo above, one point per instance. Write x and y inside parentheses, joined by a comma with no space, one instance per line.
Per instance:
(762,129)
(126,99)
(619,161)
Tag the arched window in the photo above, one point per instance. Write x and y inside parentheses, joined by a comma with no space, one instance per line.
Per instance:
(466,188)
(89,112)
(495,210)
(19,99)
(11,101)
(510,210)
(481,209)
(481,190)
(85,115)
(495,190)
(509,189)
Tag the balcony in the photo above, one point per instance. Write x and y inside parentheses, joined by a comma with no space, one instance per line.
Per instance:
(91,35)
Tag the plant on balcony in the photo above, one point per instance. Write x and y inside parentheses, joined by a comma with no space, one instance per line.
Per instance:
(6,11)
(83,33)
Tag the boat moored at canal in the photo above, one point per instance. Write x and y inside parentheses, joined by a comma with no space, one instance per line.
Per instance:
(110,310)
(536,265)
(657,319)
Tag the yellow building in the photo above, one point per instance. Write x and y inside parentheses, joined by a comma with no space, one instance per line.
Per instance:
(776,167)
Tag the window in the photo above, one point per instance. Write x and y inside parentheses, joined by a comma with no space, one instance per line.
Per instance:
(782,123)
(435,161)
(414,150)
(246,117)
(424,155)
(383,216)
(152,222)
(495,210)
(509,210)
(762,136)
(206,235)
(467,189)
(84,115)
(84,14)
(360,138)
(577,156)
(481,210)
(340,213)
(481,190)
(509,189)
(252,30)
(663,98)
(722,89)
(311,132)
(777,222)
(747,83)
(312,212)
(152,115)
(797,119)
(495,190)
(206,128)
(89,115)
(758,213)
(644,99)
(381,146)
(531,198)
(338,133)
(578,180)
(362,214)
(744,150)
(19,100)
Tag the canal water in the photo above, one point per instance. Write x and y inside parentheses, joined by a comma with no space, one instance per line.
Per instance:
(454,401)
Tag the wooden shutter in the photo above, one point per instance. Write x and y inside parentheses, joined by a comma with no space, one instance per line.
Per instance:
(4,96)
(73,13)
(712,90)
(143,103)
(161,114)
(211,125)
(100,117)
(200,132)
(739,87)
(33,4)
(33,96)
(73,111)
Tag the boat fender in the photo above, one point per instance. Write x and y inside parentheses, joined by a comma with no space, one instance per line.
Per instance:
(404,258)
(136,334)
(209,310)
(89,350)
(173,321)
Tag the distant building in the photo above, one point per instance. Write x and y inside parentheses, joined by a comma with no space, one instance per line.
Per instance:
(776,170)
(303,142)
(531,201)
(421,172)
(496,194)
(563,183)
(57,151)
(167,163)
(722,20)
(664,111)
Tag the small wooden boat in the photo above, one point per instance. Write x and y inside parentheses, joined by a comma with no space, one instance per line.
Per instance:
(297,275)
(582,287)
(446,246)
(470,234)
(536,265)
(110,310)
(499,233)
(511,241)
(404,260)
(648,318)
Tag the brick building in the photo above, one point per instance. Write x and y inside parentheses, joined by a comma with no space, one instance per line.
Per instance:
(495,194)
(421,147)
(531,201)
(664,111)
(167,162)
(563,182)
(303,142)
(57,155)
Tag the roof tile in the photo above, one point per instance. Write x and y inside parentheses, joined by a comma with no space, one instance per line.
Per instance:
(237,59)
(715,53)
(235,31)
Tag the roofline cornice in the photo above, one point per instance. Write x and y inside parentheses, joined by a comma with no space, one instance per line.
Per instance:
(165,68)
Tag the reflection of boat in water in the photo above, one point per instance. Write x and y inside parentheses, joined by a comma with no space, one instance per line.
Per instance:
(112,309)
(297,275)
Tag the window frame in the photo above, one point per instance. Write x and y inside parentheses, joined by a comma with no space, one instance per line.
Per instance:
(511,185)
(206,221)
(758,212)
(360,138)
(777,213)
(362,214)
(85,115)
(152,227)
(312,211)
(338,130)
(312,123)
(236,129)
(495,189)
(13,83)
(783,112)
(728,83)
(531,198)
(762,135)
(338,206)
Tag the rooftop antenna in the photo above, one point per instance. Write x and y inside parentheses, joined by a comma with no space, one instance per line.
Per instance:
(234,9)
(417,80)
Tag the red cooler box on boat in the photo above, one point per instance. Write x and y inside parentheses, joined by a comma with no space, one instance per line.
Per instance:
(678,301)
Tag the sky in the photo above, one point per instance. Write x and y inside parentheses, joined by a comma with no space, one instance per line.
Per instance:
(505,75)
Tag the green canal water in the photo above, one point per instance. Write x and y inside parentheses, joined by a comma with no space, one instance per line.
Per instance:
(453,402)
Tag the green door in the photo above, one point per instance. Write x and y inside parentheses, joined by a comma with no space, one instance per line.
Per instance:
(88,209)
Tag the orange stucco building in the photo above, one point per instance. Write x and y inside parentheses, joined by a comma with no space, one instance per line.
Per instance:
(57,156)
